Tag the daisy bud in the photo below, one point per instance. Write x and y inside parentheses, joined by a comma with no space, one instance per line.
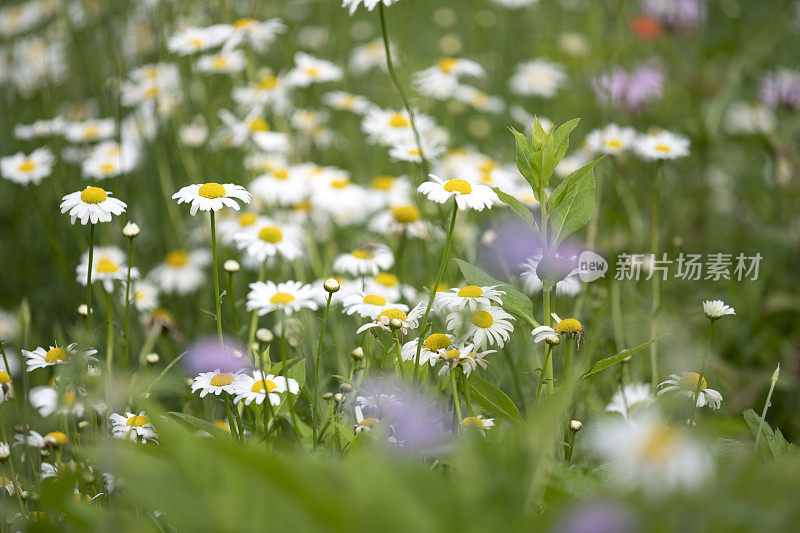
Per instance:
(5,451)
(553,340)
(575,425)
(130,230)
(345,388)
(152,358)
(88,479)
(231,266)
(44,452)
(357,354)
(83,424)
(332,285)
(395,323)
(338,398)
(264,335)
(82,310)
(776,373)
(327,396)
(24,494)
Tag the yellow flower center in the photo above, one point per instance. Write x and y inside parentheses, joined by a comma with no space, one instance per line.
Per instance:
(470,291)
(59,438)
(4,377)
(368,422)
(281,174)
(374,299)
(177,258)
(662,148)
(452,354)
(106,266)
(614,143)
(386,279)
(91,132)
(220,380)
(27,165)
(405,214)
(458,186)
(658,444)
(383,183)
(437,341)
(398,120)
(312,71)
(472,421)
(281,298)
(221,424)
(139,296)
(268,82)
(340,184)
(263,386)
(482,319)
(93,195)
(258,124)
(247,219)
(569,325)
(55,355)
(211,190)
(137,421)
(70,398)
(108,167)
(151,92)
(270,234)
(219,62)
(362,254)
(689,381)
(446,65)
(243,23)
(196,43)
(394,313)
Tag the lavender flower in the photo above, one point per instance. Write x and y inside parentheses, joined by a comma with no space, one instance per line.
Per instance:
(781,89)
(206,355)
(678,15)
(630,90)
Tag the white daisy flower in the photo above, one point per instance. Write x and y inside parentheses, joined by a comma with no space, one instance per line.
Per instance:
(470,296)
(433,345)
(434,144)
(259,34)
(486,326)
(181,272)
(467,195)
(24,169)
(478,422)
(288,297)
(715,309)
(400,219)
(537,77)
(369,56)
(109,159)
(269,239)
(390,190)
(92,204)
(283,186)
(347,102)
(45,400)
(90,130)
(465,357)
(144,295)
(370,305)
(256,129)
(222,62)
(54,355)
(367,260)
(369,5)
(569,286)
(39,129)
(612,139)
(36,440)
(687,383)
(309,69)
(661,144)
(566,327)
(132,427)
(407,321)
(215,382)
(212,196)
(744,118)
(632,399)
(109,264)
(389,127)
(387,285)
(193,40)
(6,386)
(442,79)
(362,423)
(259,386)
(479,100)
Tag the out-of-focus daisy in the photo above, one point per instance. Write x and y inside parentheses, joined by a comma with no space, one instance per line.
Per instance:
(477,422)
(32,168)
(690,383)
(34,439)
(568,327)
(466,357)
(92,204)
(259,386)
(182,272)
(631,400)
(407,321)
(45,399)
(434,144)
(400,219)
(388,285)
(442,79)
(368,56)
(288,297)
(39,129)
(515,4)
(269,239)
(144,295)
(215,382)
(391,190)
(715,309)
(467,195)
(531,283)
(367,260)
(54,355)
(282,186)
(193,40)
(537,77)
(109,265)
(132,427)
(222,62)
(347,102)
(389,127)
(309,69)
(369,5)
(6,386)
(363,424)
(488,325)
(269,91)
(194,133)
(90,130)
(433,345)
(109,159)
(370,305)
(256,129)
(612,139)
(748,118)
(470,296)
(212,196)
(479,100)
(661,144)
(259,34)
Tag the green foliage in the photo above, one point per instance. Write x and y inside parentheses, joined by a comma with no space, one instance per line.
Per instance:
(603,364)
(772,444)
(514,300)
(492,399)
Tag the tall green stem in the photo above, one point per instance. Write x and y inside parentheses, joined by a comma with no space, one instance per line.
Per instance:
(216,278)
(126,347)
(109,334)
(766,404)
(548,364)
(656,285)
(254,315)
(89,279)
(232,299)
(699,384)
(439,274)
(456,401)
(315,407)
(567,355)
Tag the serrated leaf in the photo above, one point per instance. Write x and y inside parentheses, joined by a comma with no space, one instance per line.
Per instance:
(202,425)
(563,188)
(602,364)
(524,155)
(518,207)
(772,444)
(492,399)
(575,210)
(514,300)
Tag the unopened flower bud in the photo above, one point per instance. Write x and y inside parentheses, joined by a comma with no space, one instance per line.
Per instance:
(231,266)
(575,425)
(327,396)
(44,452)
(395,323)
(553,340)
(5,451)
(83,424)
(264,335)
(345,388)
(332,285)
(338,398)
(24,494)
(82,310)
(130,230)
(152,358)
(357,354)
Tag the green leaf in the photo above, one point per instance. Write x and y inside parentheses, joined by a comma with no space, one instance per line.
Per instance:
(772,444)
(602,364)
(575,209)
(566,186)
(561,137)
(514,300)
(518,207)
(524,155)
(492,399)
(202,425)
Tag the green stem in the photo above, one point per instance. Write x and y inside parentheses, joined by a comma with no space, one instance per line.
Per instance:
(234,318)
(231,423)
(699,384)
(656,285)
(254,315)
(315,409)
(126,347)
(109,335)
(456,402)
(567,354)
(548,364)
(89,279)
(766,405)
(216,277)
(435,287)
